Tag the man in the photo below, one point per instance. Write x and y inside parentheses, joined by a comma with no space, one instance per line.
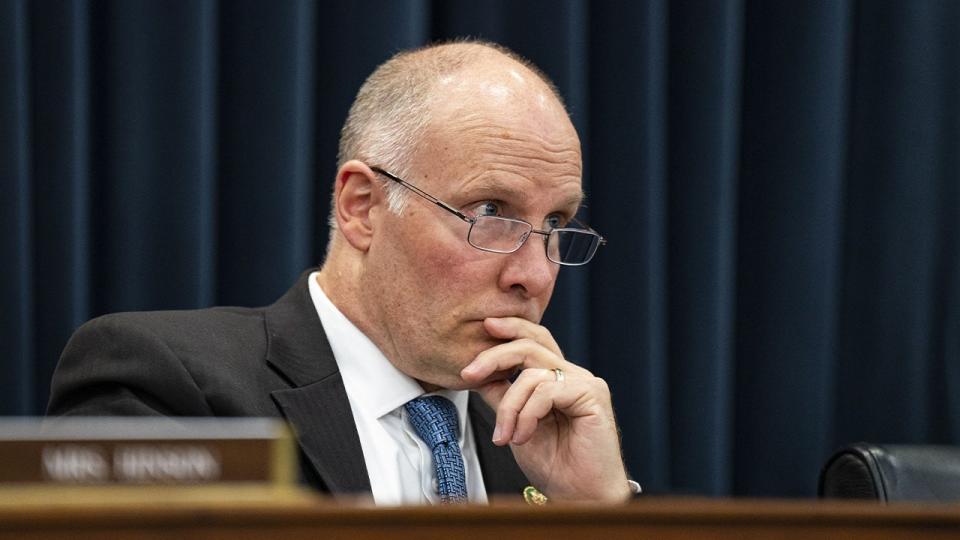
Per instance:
(458,179)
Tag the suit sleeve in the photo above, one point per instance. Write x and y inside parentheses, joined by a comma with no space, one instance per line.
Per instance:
(117,366)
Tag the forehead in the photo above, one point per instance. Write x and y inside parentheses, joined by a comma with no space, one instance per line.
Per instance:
(487,161)
(492,140)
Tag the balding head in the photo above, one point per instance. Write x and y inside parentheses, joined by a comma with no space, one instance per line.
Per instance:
(395,103)
(404,96)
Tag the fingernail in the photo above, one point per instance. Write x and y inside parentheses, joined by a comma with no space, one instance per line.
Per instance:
(496,434)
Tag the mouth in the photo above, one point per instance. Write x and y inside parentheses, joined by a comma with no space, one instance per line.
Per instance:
(503,308)
(506,315)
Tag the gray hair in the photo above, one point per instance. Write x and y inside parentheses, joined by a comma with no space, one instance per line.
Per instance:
(393,109)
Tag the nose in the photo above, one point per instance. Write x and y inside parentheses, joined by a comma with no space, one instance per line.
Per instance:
(528,270)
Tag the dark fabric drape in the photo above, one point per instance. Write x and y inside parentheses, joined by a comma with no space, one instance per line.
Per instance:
(779,182)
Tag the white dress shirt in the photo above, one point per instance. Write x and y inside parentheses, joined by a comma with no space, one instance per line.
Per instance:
(399,464)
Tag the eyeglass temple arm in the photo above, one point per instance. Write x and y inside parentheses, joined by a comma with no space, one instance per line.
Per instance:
(584,226)
(423,194)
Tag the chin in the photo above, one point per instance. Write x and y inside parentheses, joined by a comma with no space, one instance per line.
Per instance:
(448,382)
(446,373)
(457,384)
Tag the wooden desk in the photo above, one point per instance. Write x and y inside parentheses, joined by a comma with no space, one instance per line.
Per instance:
(233,515)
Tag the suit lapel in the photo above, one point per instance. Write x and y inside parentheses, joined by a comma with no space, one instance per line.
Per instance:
(316,405)
(501,474)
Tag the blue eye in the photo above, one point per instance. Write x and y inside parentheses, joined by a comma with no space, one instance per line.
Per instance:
(487,209)
(554,222)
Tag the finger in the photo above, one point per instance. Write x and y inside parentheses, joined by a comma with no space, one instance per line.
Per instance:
(571,398)
(508,357)
(536,407)
(516,328)
(493,392)
(514,399)
(505,375)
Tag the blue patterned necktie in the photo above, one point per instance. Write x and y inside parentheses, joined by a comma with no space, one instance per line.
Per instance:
(434,418)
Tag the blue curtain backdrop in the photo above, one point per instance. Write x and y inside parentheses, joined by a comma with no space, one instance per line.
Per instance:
(779,182)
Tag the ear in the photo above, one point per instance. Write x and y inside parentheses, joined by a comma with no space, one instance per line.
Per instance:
(356,194)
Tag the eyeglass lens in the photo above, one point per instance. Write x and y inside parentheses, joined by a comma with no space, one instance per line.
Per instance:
(498,234)
(571,246)
(504,235)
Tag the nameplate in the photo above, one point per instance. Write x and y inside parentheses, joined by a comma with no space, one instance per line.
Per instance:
(146,451)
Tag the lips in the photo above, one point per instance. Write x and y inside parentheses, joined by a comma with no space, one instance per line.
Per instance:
(500,307)
(502,315)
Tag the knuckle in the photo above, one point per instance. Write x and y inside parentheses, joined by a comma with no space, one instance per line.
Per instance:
(527,376)
(507,409)
(542,333)
(526,343)
(585,372)
(600,385)
(541,389)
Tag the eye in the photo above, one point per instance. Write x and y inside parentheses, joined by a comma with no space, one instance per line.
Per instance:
(555,221)
(487,208)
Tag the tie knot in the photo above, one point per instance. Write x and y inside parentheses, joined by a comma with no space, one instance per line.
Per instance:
(434,418)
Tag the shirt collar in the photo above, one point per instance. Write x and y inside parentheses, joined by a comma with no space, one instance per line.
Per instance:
(374,385)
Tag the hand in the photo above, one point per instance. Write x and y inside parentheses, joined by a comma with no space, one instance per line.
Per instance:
(562,433)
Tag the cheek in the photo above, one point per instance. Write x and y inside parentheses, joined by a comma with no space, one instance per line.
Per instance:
(438,273)
(457,270)
(442,254)
(456,284)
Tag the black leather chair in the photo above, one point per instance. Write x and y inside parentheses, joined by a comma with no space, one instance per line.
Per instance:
(892,473)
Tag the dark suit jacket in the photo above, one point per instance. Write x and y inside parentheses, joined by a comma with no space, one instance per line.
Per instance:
(228,361)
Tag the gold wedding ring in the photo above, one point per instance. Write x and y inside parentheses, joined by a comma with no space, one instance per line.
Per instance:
(559,374)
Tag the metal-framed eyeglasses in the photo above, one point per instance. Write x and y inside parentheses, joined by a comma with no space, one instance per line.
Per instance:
(568,246)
